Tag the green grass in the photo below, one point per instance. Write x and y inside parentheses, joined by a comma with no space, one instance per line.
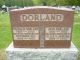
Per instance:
(76,30)
(5,31)
(6,36)
(76,35)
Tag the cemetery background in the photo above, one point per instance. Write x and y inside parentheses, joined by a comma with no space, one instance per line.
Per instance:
(5,28)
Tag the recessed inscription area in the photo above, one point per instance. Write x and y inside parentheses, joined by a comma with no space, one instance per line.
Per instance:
(42,17)
(26,33)
(51,33)
(57,33)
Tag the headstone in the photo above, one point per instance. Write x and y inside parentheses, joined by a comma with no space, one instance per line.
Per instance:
(48,27)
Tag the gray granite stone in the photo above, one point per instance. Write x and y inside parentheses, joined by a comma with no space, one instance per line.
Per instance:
(42,53)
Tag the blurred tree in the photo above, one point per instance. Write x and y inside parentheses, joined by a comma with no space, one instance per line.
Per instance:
(19,3)
(28,3)
(2,3)
(78,2)
(44,2)
(39,2)
(51,2)
(61,2)
(73,2)
(8,2)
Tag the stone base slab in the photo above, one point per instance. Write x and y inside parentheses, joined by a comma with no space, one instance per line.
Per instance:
(42,53)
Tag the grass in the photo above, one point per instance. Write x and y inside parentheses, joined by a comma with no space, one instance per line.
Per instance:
(5,31)
(76,30)
(6,36)
(2,54)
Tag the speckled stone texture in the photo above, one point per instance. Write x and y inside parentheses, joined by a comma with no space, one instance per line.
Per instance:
(41,53)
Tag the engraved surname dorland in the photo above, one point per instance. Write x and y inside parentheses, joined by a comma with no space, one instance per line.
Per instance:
(41,17)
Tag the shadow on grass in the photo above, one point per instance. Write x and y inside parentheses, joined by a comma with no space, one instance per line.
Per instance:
(78,58)
(3,54)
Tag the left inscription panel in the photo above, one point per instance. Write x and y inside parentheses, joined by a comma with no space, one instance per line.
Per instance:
(26,33)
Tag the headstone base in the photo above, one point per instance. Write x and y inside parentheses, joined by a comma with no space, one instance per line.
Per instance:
(42,53)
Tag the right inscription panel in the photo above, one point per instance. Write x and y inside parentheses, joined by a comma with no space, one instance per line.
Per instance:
(57,33)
